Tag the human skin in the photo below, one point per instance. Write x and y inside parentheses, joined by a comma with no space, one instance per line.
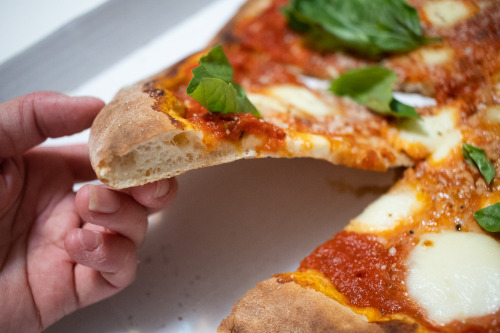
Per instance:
(59,250)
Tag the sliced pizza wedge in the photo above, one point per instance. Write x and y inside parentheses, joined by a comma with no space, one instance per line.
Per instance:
(155,130)
(415,260)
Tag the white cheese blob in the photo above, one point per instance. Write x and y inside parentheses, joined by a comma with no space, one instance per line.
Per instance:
(308,145)
(438,134)
(294,99)
(493,114)
(450,142)
(388,211)
(455,275)
(446,13)
(436,56)
(266,104)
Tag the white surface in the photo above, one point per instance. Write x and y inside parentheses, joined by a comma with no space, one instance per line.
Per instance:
(34,20)
(163,51)
(230,227)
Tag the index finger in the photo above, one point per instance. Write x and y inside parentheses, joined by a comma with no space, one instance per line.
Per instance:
(28,120)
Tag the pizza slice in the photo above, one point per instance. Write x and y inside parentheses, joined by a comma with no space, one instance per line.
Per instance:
(155,130)
(415,260)
(291,79)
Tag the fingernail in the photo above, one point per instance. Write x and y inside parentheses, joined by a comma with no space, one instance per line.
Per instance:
(89,239)
(162,188)
(102,200)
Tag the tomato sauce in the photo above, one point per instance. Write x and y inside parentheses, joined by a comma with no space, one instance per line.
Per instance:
(371,273)
(221,126)
(255,70)
(270,34)
(231,126)
(368,273)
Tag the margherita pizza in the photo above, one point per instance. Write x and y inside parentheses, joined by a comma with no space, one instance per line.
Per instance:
(316,78)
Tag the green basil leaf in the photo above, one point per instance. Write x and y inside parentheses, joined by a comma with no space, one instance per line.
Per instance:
(213,87)
(368,27)
(489,217)
(372,87)
(477,157)
(402,110)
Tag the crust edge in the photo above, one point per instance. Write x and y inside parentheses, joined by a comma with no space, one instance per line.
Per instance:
(274,306)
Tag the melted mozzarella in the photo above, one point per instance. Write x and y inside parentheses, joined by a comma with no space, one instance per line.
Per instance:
(387,211)
(266,104)
(493,113)
(455,275)
(436,56)
(446,13)
(449,143)
(294,99)
(437,134)
(310,145)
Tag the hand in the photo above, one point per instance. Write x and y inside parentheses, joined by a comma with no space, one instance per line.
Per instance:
(60,251)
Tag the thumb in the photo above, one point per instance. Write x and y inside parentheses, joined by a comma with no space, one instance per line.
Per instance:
(27,121)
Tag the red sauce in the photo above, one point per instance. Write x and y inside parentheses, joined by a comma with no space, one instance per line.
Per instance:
(228,126)
(231,126)
(371,274)
(254,70)
(269,34)
(368,273)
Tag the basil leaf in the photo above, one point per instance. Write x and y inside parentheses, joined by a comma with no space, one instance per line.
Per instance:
(489,217)
(372,87)
(368,27)
(213,87)
(402,110)
(477,157)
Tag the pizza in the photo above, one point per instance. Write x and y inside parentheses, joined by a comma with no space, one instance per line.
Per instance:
(319,79)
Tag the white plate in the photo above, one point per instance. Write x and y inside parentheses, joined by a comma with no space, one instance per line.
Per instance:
(230,227)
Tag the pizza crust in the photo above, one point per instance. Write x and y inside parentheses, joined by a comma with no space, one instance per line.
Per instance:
(131,143)
(288,307)
(138,138)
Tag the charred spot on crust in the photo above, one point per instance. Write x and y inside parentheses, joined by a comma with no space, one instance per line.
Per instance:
(165,102)
(395,326)
(150,89)
(156,93)
(175,122)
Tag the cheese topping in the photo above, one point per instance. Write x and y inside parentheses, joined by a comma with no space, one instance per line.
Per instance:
(455,275)
(436,134)
(295,99)
(387,211)
(446,13)
(310,145)
(493,113)
(436,56)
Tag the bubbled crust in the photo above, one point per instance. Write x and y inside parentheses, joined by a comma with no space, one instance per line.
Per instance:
(131,143)
(287,307)
(127,120)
